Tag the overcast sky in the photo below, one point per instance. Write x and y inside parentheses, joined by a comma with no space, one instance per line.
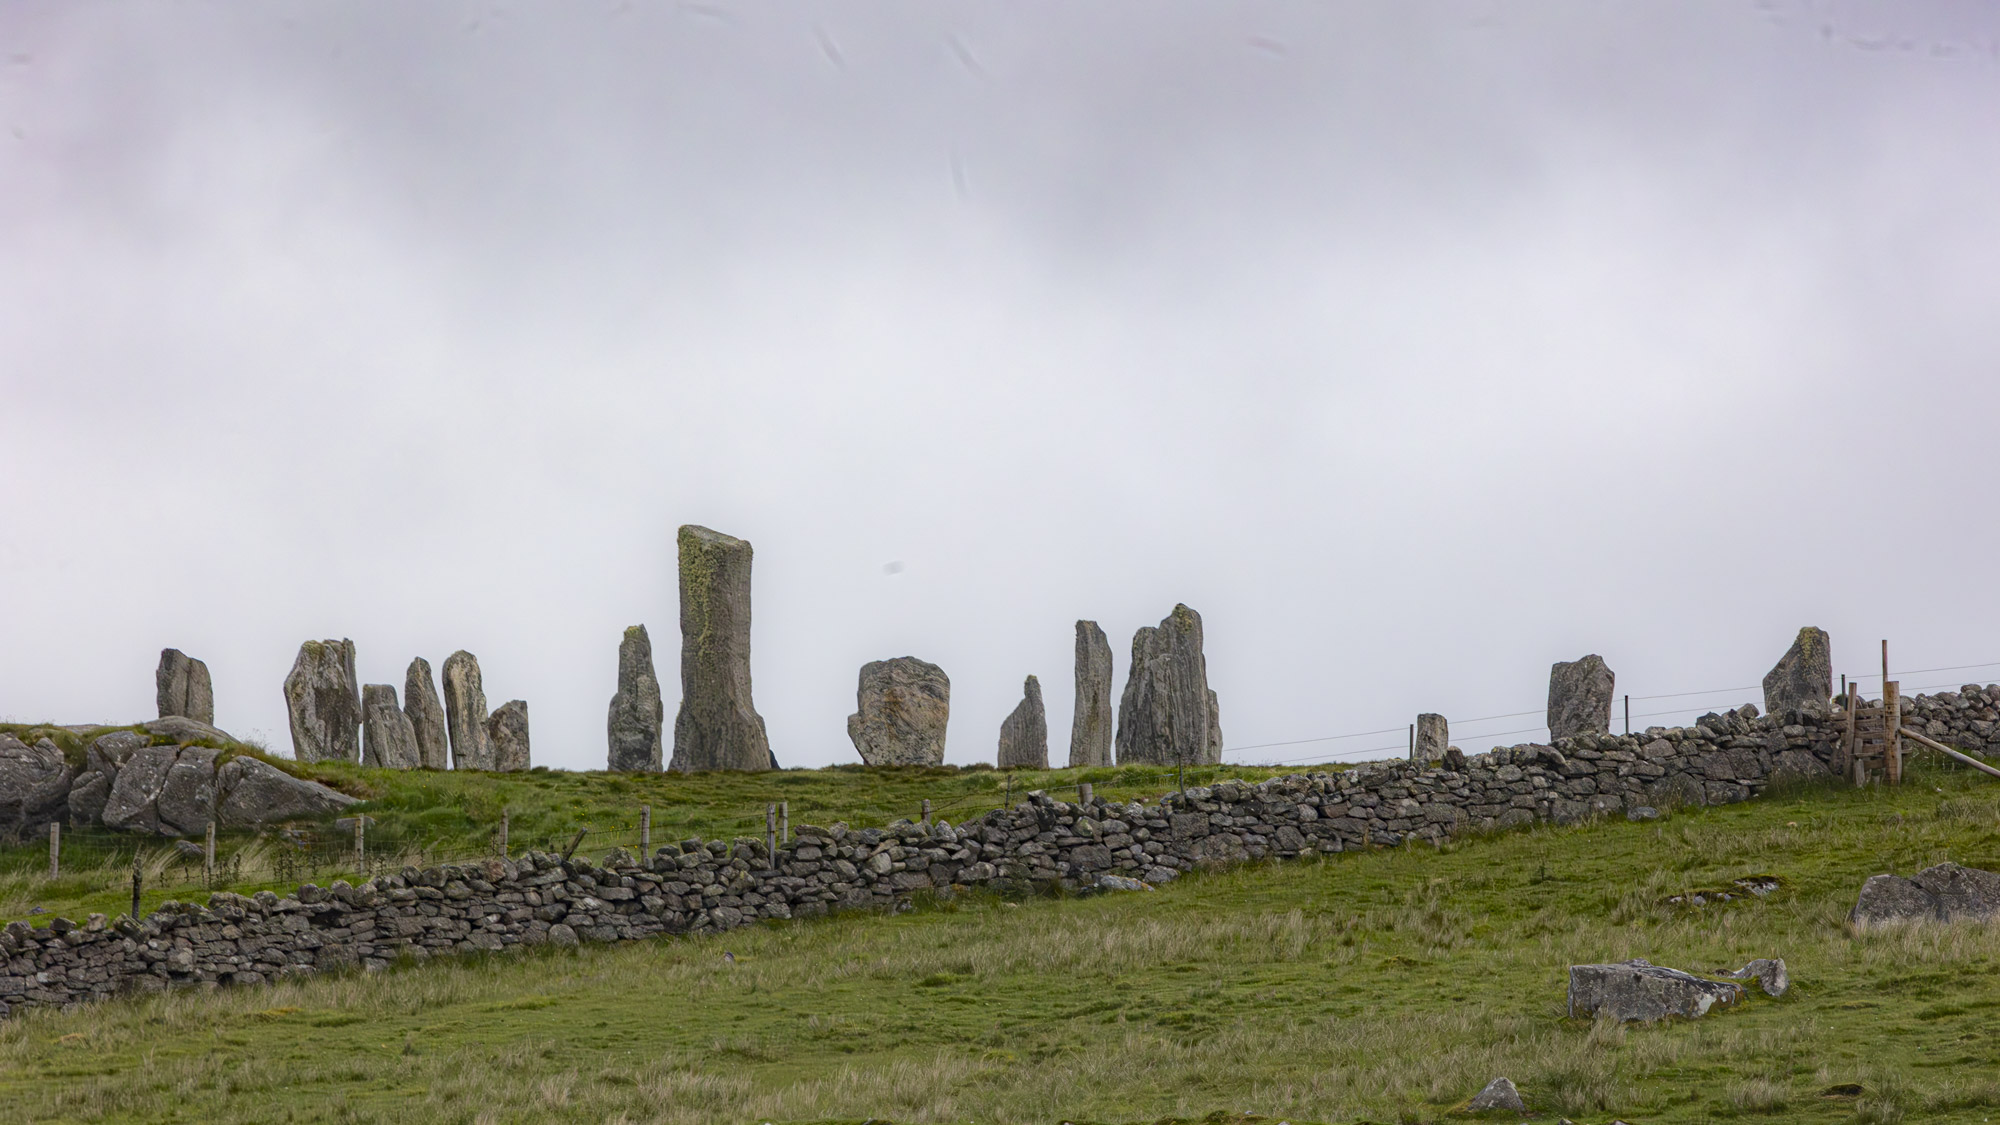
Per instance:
(1417,346)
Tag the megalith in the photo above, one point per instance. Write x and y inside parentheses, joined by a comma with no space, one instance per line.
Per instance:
(465,713)
(901,707)
(637,715)
(1803,675)
(420,703)
(323,700)
(1090,723)
(388,736)
(1024,735)
(1433,738)
(717,727)
(1168,715)
(1580,698)
(183,687)
(507,735)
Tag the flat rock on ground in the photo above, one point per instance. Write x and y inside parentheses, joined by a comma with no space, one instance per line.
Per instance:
(1640,990)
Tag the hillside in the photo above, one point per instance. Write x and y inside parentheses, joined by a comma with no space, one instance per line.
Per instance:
(1378,986)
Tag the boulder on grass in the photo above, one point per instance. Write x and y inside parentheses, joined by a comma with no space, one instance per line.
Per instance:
(1639,990)
(256,792)
(1498,1094)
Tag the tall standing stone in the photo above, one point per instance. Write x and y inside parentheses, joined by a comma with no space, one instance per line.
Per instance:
(637,715)
(420,702)
(1804,675)
(1580,694)
(183,687)
(507,734)
(465,713)
(1090,723)
(388,737)
(1024,735)
(717,727)
(324,703)
(901,708)
(1168,715)
(1433,739)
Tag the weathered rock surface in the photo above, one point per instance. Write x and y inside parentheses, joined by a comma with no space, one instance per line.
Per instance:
(1944,893)
(324,702)
(183,687)
(420,703)
(34,786)
(1803,676)
(1640,990)
(185,730)
(465,713)
(388,737)
(1497,1094)
(1580,694)
(1433,738)
(637,717)
(1090,727)
(1168,714)
(254,792)
(1024,735)
(1768,972)
(901,709)
(163,790)
(718,727)
(507,732)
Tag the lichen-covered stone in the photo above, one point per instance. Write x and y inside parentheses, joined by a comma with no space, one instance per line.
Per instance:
(1090,728)
(388,737)
(1024,734)
(507,734)
(637,717)
(182,687)
(717,727)
(465,713)
(901,709)
(34,786)
(323,700)
(1641,991)
(1433,738)
(1580,693)
(1168,714)
(420,703)
(1803,676)
(254,792)
(1498,1094)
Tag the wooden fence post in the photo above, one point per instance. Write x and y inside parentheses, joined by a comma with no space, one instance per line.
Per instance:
(503,831)
(784,822)
(771,834)
(208,857)
(361,846)
(137,879)
(645,831)
(1892,731)
(55,849)
(1413,742)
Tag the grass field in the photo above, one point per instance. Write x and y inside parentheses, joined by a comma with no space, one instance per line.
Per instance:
(1382,987)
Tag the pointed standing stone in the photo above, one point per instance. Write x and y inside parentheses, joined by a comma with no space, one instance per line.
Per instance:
(1024,736)
(1580,697)
(465,713)
(717,727)
(901,708)
(420,702)
(1804,675)
(1433,738)
(507,734)
(637,715)
(183,687)
(1090,724)
(1168,714)
(388,737)
(324,703)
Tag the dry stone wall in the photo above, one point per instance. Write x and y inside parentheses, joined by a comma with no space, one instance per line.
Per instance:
(703,886)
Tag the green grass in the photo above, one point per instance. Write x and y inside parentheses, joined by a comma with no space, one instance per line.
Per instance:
(1385,987)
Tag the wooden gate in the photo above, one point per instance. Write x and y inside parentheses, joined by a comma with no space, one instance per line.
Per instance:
(1871,742)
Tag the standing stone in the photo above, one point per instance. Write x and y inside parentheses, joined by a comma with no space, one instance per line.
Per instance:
(1168,715)
(1024,736)
(324,702)
(1804,675)
(465,713)
(901,707)
(1580,698)
(507,734)
(637,715)
(420,702)
(388,737)
(1433,738)
(717,727)
(183,687)
(1090,724)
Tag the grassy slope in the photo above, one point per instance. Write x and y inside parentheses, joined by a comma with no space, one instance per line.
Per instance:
(1381,987)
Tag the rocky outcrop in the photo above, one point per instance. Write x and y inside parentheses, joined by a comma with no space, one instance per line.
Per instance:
(1768,972)
(507,733)
(1580,694)
(1642,991)
(1498,1094)
(717,727)
(1944,893)
(1024,735)
(902,707)
(465,713)
(176,789)
(324,702)
(163,791)
(637,716)
(420,703)
(1433,738)
(254,792)
(388,737)
(183,687)
(1090,727)
(1168,715)
(1804,675)
(34,786)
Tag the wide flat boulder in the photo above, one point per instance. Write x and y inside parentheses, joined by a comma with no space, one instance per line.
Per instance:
(255,792)
(1639,990)
(1944,893)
